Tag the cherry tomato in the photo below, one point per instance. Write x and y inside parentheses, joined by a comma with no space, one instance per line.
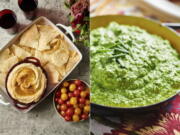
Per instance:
(56,100)
(63,113)
(87,109)
(58,94)
(81,105)
(73,100)
(82,100)
(72,87)
(78,82)
(81,88)
(64,97)
(77,111)
(67,118)
(70,94)
(63,90)
(87,102)
(60,101)
(83,94)
(68,104)
(77,93)
(70,111)
(75,118)
(65,84)
(58,107)
(88,90)
(75,106)
(63,107)
(84,116)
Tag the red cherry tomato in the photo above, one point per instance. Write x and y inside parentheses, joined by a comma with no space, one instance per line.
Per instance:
(63,107)
(56,100)
(67,118)
(84,116)
(68,104)
(58,94)
(58,107)
(82,100)
(77,93)
(81,106)
(81,88)
(60,101)
(70,94)
(70,111)
(63,113)
(78,82)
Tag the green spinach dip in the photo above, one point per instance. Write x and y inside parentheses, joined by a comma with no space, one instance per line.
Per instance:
(131,67)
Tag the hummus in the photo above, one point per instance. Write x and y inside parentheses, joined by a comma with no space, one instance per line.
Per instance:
(131,67)
(26,83)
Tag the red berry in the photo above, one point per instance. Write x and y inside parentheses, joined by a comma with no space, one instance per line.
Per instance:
(58,107)
(60,101)
(56,100)
(78,82)
(63,113)
(63,107)
(81,88)
(81,106)
(84,116)
(70,111)
(70,94)
(77,93)
(68,104)
(58,94)
(67,118)
(82,100)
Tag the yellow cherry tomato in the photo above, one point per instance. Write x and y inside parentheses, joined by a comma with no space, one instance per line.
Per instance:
(63,90)
(64,97)
(87,102)
(65,84)
(75,118)
(83,94)
(72,87)
(87,108)
(77,111)
(73,100)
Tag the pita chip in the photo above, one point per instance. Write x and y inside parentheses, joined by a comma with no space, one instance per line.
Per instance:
(19,52)
(74,57)
(30,38)
(8,63)
(52,72)
(47,34)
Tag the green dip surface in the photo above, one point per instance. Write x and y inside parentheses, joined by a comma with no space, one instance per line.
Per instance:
(131,67)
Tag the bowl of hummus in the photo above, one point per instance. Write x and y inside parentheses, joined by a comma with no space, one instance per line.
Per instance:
(135,63)
(26,82)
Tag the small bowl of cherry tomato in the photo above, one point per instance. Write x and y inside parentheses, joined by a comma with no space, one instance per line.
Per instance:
(72,100)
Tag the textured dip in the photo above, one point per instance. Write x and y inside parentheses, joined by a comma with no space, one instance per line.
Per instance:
(131,67)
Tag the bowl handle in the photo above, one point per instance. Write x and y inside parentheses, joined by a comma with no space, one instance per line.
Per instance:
(68,30)
(33,60)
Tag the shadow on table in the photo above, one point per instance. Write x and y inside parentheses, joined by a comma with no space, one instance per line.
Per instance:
(44,105)
(56,16)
